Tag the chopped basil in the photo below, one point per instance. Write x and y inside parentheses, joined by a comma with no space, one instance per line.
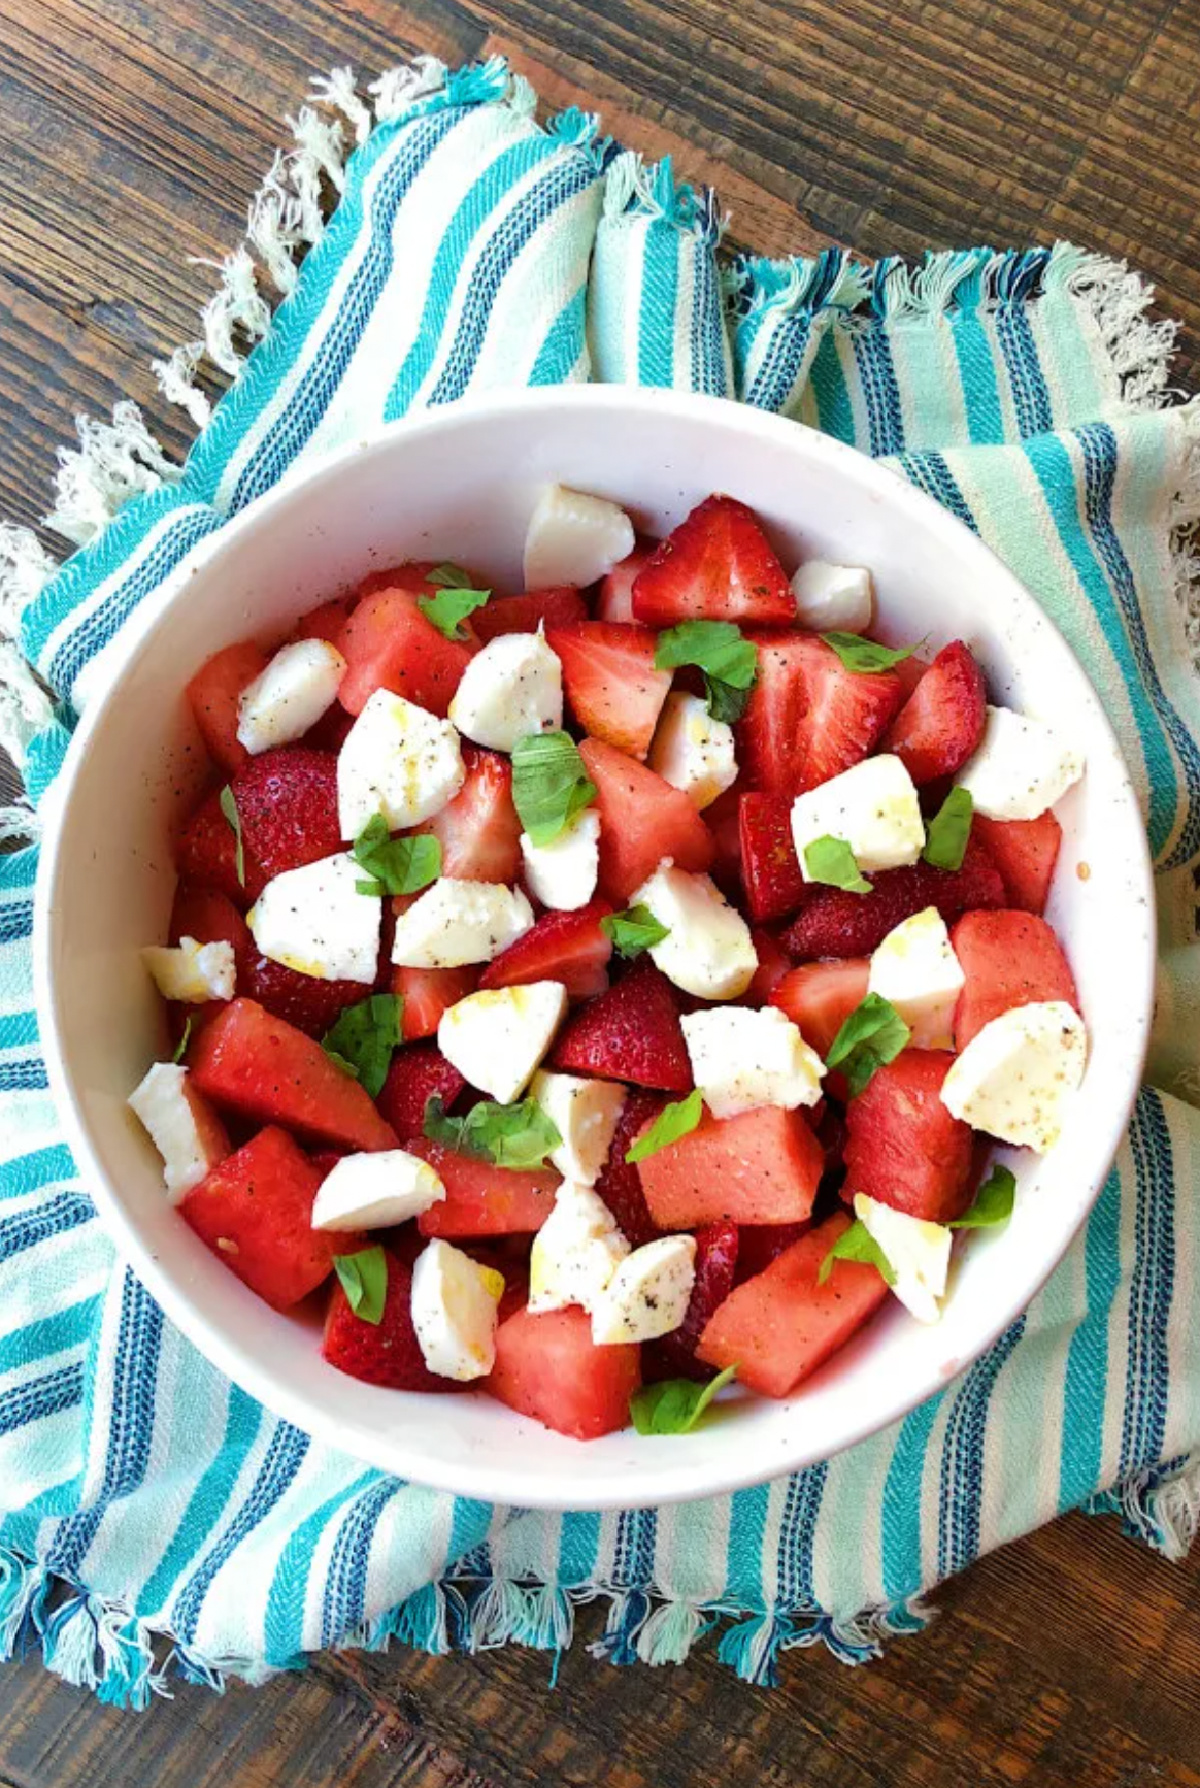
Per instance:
(450,608)
(873,1035)
(549,783)
(634,930)
(948,831)
(865,654)
(518,1135)
(993,1203)
(857,1243)
(729,662)
(449,576)
(364,1037)
(396,865)
(234,818)
(364,1279)
(181,1048)
(830,860)
(673,1121)
(675,1406)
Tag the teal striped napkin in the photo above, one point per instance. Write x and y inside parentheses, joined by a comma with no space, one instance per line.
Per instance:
(154,1517)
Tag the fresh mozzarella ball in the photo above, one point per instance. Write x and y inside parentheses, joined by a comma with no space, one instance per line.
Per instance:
(585,1114)
(1016,1075)
(915,968)
(315,921)
(649,1293)
(575,1253)
(574,539)
(833,598)
(873,807)
(692,751)
(708,949)
(1021,768)
(454,1305)
(456,922)
(511,688)
(917,1252)
(375,1191)
(563,873)
(290,695)
(398,761)
(498,1037)
(181,1124)
(193,972)
(742,1059)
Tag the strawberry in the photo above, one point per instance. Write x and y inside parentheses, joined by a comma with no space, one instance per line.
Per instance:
(331,730)
(568,947)
(674,1356)
(387,1352)
(770,868)
(833,922)
(773,964)
(615,599)
(717,565)
(287,803)
(620,1184)
(479,831)
(722,817)
(426,994)
(418,1073)
(389,644)
(610,681)
(325,621)
(808,717)
(902,1145)
(1025,852)
(206,853)
(1009,959)
(213,693)
(820,996)
(761,1243)
(941,723)
(632,1032)
(253,1209)
(210,917)
(561,606)
(313,1006)
(642,820)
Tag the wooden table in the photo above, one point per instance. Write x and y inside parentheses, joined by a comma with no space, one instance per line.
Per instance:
(134,134)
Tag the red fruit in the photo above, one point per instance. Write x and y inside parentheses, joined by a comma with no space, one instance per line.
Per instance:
(820,996)
(268,1071)
(642,820)
(213,693)
(427,993)
(773,964)
(902,1145)
(779,1327)
(615,599)
(763,1166)
(567,947)
(210,917)
(561,606)
(610,681)
(631,1032)
(389,644)
(620,1184)
(1009,959)
(941,723)
(722,817)
(548,1367)
(412,575)
(808,717)
(417,1074)
(206,853)
(909,672)
(761,1243)
(674,1355)
(482,1199)
(253,1211)
(331,730)
(325,621)
(1025,852)
(312,1006)
(717,565)
(770,867)
(479,831)
(287,803)
(835,923)
(386,1352)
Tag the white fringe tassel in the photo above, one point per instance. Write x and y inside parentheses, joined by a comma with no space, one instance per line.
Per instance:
(115,461)
(25,570)
(397,88)
(177,381)
(237,305)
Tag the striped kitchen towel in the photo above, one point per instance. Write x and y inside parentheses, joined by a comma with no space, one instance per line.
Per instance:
(428,241)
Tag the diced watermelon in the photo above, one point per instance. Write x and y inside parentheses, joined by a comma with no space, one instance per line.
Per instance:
(763,1166)
(325,621)
(614,601)
(266,1070)
(820,996)
(642,820)
(1025,852)
(389,644)
(773,964)
(770,867)
(479,831)
(568,947)
(549,1368)
(313,1006)
(717,565)
(427,993)
(631,1032)
(1009,959)
(903,1147)
(833,922)
(674,1355)
(941,723)
(779,1327)
(482,1199)
(761,1243)
(808,717)
(619,1183)
(206,853)
(610,681)
(253,1210)
(418,1073)
(213,693)
(561,606)
(385,1353)
(412,575)
(287,803)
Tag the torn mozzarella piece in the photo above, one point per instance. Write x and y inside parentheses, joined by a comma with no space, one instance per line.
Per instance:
(1021,768)
(398,761)
(742,1059)
(575,1253)
(314,920)
(649,1293)
(193,972)
(375,1191)
(181,1124)
(1015,1077)
(708,950)
(498,1037)
(297,687)
(563,873)
(872,807)
(832,598)
(574,539)
(692,751)
(918,1253)
(585,1114)
(915,968)
(454,1304)
(458,922)
(511,688)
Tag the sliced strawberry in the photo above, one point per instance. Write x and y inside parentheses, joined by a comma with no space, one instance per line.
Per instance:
(763,1166)
(674,1355)
(206,853)
(549,1368)
(903,1147)
(253,1211)
(312,1006)
(614,601)
(610,681)
(770,868)
(389,644)
(568,947)
(210,917)
(386,1352)
(331,731)
(835,923)
(761,1243)
(1025,852)
(717,565)
(909,672)
(631,1032)
(620,1184)
(642,820)
(213,693)
(482,1199)
(325,621)
(808,717)
(561,606)
(288,807)
(941,723)
(773,964)
(479,831)
(418,1073)
(820,996)
(722,817)
(1009,959)
(427,993)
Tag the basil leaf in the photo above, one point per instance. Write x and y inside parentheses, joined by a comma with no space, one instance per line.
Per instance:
(948,831)
(181,1048)
(725,701)
(364,1037)
(729,662)
(865,654)
(396,865)
(634,930)
(364,1279)
(830,860)
(519,1135)
(450,608)
(857,1243)
(673,1121)
(675,1406)
(549,784)
(234,818)
(992,1205)
(449,576)
(873,1035)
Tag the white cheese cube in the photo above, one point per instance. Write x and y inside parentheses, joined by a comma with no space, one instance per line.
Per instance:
(511,688)
(708,949)
(192,972)
(287,698)
(574,539)
(917,1252)
(873,807)
(575,1253)
(563,873)
(181,1124)
(649,1293)
(498,1037)
(833,598)
(692,751)
(453,1304)
(398,760)
(742,1059)
(456,922)
(585,1114)
(915,968)
(315,921)
(375,1191)
(1015,1076)
(1021,768)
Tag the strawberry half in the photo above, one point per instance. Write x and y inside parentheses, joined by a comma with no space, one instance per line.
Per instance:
(835,923)
(620,1184)
(287,803)
(427,992)
(387,1352)
(561,606)
(674,1355)
(808,717)
(614,601)
(717,565)
(479,831)
(770,867)
(206,853)
(417,1074)
(632,1032)
(941,723)
(313,1006)
(568,947)
(611,683)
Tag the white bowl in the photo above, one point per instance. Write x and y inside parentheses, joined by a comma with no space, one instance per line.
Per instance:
(459,483)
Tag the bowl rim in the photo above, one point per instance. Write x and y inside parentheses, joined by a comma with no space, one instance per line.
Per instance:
(497,1482)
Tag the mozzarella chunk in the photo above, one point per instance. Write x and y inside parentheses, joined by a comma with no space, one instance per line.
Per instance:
(916,969)
(917,1252)
(742,1058)
(833,598)
(574,539)
(456,922)
(497,1038)
(1021,768)
(873,807)
(290,695)
(1016,1075)
(315,921)
(193,972)
(708,949)
(375,1191)
(585,1114)
(181,1124)
(512,687)
(575,1253)
(692,751)
(398,760)
(453,1304)
(563,873)
(648,1295)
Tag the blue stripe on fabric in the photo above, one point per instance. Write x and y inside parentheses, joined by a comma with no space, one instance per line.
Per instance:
(346,1578)
(709,362)
(963,1456)
(23,1077)
(1085,1384)
(977,373)
(744,1558)
(929,472)
(1151,1285)
(41,1167)
(900,1511)
(469,1525)
(876,369)
(661,248)
(47,1396)
(49,1334)
(835,414)
(18,1030)
(62,1212)
(1031,398)
(579,1548)
(287,1598)
(563,342)
(795,1589)
(16,920)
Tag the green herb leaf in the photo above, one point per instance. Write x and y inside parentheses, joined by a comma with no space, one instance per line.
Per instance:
(519,1135)
(873,1035)
(234,818)
(992,1205)
(396,865)
(673,1121)
(549,783)
(729,662)
(364,1037)
(948,831)
(364,1279)
(675,1406)
(634,930)
(857,1243)
(450,608)
(831,860)
(449,576)
(864,654)
(181,1048)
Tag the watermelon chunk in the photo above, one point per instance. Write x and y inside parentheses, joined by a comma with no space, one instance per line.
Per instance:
(763,1166)
(902,1145)
(717,565)
(325,621)
(389,644)
(1009,959)
(548,1367)
(1025,853)
(385,1353)
(610,681)
(213,693)
(253,1211)
(562,946)
(642,820)
(482,1199)
(560,606)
